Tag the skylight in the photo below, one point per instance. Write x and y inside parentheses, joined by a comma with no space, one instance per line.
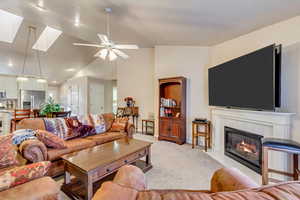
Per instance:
(10,25)
(46,39)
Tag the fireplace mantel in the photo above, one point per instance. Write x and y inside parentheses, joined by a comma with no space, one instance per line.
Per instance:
(267,124)
(278,121)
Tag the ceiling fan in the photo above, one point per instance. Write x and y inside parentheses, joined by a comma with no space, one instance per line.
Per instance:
(109,48)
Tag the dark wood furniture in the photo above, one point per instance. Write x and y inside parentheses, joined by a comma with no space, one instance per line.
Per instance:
(129,112)
(94,164)
(148,123)
(61,114)
(206,133)
(172,119)
(18,115)
(280,145)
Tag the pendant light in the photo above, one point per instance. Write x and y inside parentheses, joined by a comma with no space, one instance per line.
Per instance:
(23,76)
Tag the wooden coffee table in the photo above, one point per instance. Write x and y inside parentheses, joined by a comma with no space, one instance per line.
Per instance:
(92,165)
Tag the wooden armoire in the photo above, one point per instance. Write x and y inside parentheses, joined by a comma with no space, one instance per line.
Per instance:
(172,109)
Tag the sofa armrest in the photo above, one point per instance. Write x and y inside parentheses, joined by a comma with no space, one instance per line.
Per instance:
(112,191)
(230,179)
(131,177)
(42,188)
(33,150)
(126,184)
(130,129)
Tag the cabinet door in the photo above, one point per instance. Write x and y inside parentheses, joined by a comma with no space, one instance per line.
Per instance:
(175,131)
(164,128)
(11,89)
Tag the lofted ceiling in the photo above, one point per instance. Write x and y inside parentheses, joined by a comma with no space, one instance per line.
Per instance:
(62,55)
(158,22)
(146,23)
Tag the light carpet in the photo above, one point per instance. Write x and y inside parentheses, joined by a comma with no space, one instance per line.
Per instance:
(177,166)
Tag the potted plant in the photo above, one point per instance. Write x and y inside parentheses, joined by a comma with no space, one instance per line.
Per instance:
(49,107)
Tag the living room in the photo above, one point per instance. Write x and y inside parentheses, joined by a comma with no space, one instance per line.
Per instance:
(163,59)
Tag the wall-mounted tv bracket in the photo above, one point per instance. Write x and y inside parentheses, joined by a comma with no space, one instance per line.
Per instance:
(278,49)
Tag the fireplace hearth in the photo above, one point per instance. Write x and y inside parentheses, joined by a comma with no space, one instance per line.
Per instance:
(244,147)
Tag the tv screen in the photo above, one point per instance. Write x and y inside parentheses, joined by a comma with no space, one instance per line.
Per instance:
(250,81)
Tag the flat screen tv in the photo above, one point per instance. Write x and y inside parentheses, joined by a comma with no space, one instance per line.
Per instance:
(251,81)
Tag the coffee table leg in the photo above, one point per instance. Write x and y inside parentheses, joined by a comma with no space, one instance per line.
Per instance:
(89,188)
(148,157)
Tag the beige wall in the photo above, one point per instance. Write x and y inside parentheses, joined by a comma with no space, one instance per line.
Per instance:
(135,79)
(190,62)
(108,89)
(286,33)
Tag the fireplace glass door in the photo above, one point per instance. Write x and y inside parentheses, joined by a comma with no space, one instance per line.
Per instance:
(244,147)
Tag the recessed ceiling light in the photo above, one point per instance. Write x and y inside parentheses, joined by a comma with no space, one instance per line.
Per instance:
(70,70)
(21,78)
(77,21)
(54,82)
(10,25)
(40,5)
(46,39)
(41,80)
(10,64)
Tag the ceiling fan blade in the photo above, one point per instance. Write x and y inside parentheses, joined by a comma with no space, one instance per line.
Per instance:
(88,45)
(126,46)
(120,53)
(103,38)
(102,53)
(112,56)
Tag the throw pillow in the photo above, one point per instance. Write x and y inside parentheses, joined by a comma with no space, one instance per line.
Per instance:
(86,130)
(119,125)
(50,140)
(98,122)
(23,134)
(23,174)
(59,127)
(109,119)
(8,153)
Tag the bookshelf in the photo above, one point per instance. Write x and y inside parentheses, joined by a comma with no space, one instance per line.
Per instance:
(172,109)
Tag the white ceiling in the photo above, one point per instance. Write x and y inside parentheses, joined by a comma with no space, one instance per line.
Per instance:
(158,22)
(61,55)
(143,22)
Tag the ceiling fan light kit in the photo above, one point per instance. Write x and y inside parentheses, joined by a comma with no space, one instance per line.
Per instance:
(109,48)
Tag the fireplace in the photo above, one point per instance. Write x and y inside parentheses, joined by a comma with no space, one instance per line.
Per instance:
(244,147)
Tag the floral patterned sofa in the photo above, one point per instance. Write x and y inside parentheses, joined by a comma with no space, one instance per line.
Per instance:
(21,181)
(28,184)
(36,151)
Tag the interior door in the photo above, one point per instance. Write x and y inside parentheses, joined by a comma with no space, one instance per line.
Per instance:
(73,99)
(96,98)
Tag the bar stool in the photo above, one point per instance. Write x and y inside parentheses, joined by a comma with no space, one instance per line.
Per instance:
(281,145)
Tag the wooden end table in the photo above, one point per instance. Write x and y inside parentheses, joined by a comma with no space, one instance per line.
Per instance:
(148,123)
(94,164)
(206,133)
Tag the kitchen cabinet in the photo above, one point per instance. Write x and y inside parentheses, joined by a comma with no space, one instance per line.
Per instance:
(32,84)
(10,86)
